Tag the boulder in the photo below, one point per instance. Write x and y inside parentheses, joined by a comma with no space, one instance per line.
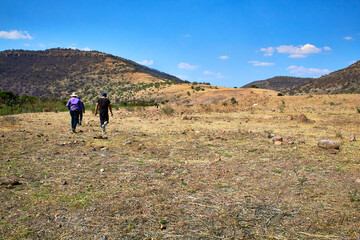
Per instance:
(328,144)
(302,118)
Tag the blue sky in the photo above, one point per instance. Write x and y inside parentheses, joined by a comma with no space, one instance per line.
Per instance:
(225,42)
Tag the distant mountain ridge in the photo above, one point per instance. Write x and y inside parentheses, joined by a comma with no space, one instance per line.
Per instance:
(280,83)
(55,73)
(345,80)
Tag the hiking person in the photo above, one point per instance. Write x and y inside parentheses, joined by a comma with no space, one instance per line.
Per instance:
(81,113)
(75,108)
(103,105)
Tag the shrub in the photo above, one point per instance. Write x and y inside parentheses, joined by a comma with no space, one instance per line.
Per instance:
(168,110)
(280,94)
(233,100)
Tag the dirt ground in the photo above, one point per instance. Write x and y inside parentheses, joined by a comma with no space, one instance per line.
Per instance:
(202,172)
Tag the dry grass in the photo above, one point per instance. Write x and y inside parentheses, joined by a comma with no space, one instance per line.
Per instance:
(203,172)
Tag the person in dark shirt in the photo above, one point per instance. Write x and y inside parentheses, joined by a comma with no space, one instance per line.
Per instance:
(103,106)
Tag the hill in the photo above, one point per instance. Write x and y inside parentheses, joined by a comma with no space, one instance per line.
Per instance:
(279,83)
(346,80)
(55,73)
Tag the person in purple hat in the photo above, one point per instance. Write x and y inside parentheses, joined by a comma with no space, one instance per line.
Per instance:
(75,108)
(103,106)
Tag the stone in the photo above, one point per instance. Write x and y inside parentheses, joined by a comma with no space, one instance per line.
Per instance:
(102,170)
(277,139)
(328,144)
(290,117)
(269,117)
(277,143)
(63,182)
(352,138)
(302,118)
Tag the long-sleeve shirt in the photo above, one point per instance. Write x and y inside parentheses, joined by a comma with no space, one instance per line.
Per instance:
(74,104)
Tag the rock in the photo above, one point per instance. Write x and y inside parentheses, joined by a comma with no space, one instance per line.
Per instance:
(277,143)
(187,118)
(290,117)
(102,170)
(63,182)
(302,118)
(127,142)
(104,149)
(328,144)
(352,138)
(268,117)
(276,139)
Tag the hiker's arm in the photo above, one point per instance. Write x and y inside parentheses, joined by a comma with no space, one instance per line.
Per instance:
(111,110)
(96,108)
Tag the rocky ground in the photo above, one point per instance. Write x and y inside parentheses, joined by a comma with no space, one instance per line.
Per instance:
(206,172)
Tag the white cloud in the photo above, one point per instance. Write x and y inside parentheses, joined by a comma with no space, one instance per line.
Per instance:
(223,57)
(183,77)
(86,49)
(297,56)
(42,45)
(187,66)
(303,71)
(268,51)
(327,48)
(15,34)
(257,63)
(348,38)
(147,62)
(187,35)
(217,75)
(298,51)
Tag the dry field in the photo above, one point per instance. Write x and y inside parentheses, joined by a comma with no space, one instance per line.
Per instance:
(203,172)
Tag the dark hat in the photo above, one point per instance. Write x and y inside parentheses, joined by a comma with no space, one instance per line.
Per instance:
(104,94)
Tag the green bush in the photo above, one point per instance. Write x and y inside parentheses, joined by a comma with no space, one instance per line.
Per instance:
(233,100)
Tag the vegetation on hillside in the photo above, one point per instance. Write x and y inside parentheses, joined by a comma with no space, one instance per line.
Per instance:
(13,104)
(56,73)
(346,80)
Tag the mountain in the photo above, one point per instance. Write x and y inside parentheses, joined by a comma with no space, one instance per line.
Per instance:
(346,80)
(55,73)
(280,83)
